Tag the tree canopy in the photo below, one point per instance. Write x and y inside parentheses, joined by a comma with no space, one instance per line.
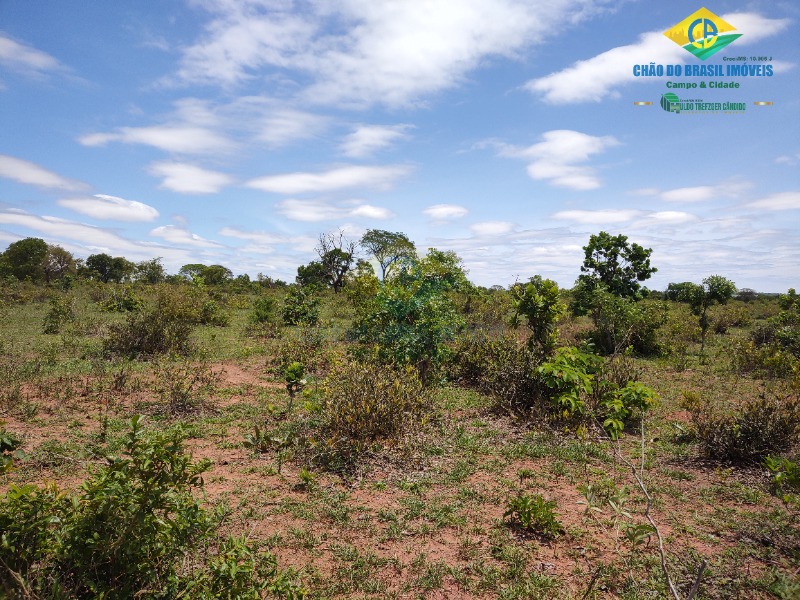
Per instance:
(388,248)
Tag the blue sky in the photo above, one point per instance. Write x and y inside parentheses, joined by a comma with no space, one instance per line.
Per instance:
(236,131)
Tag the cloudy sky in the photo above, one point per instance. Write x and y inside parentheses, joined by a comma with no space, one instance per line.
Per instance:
(236,131)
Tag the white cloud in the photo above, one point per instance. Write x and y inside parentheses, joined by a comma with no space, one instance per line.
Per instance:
(360,52)
(321,210)
(597,216)
(690,194)
(284,125)
(26,59)
(491,228)
(368,139)
(86,237)
(101,206)
(335,179)
(445,212)
(177,235)
(788,159)
(779,201)
(189,179)
(29,173)
(596,78)
(703,193)
(182,139)
(263,238)
(671,217)
(557,157)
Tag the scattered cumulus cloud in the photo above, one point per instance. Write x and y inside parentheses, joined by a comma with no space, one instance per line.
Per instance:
(704,193)
(181,139)
(368,139)
(390,53)
(779,201)
(189,179)
(321,210)
(597,216)
(445,212)
(257,237)
(599,77)
(101,206)
(491,228)
(30,173)
(332,180)
(183,237)
(558,158)
(26,59)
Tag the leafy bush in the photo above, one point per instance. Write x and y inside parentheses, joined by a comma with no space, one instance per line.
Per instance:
(583,385)
(307,346)
(182,386)
(621,323)
(535,514)
(301,306)
(761,360)
(767,424)
(9,444)
(363,403)
(166,327)
(502,368)
(62,311)
(123,299)
(730,316)
(123,535)
(263,310)
(539,303)
(412,316)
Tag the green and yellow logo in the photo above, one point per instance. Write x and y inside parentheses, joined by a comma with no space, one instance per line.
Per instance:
(702,33)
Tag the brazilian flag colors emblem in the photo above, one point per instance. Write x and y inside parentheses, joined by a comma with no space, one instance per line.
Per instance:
(702,33)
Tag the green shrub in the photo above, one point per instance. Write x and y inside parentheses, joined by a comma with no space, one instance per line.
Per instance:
(125,534)
(301,306)
(584,386)
(761,360)
(502,368)
(767,424)
(122,299)
(62,311)
(728,316)
(363,403)
(621,323)
(412,317)
(535,514)
(149,333)
(263,311)
(184,387)
(304,345)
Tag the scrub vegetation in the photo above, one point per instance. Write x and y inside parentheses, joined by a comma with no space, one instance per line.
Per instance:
(394,432)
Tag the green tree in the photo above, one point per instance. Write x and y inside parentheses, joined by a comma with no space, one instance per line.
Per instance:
(388,248)
(614,263)
(192,271)
(217,275)
(58,263)
(412,315)
(539,303)
(336,255)
(312,274)
(714,290)
(25,259)
(108,268)
(150,271)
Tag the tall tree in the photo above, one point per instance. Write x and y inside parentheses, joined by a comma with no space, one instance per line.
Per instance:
(336,255)
(714,290)
(25,258)
(58,263)
(388,248)
(150,271)
(611,263)
(108,268)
